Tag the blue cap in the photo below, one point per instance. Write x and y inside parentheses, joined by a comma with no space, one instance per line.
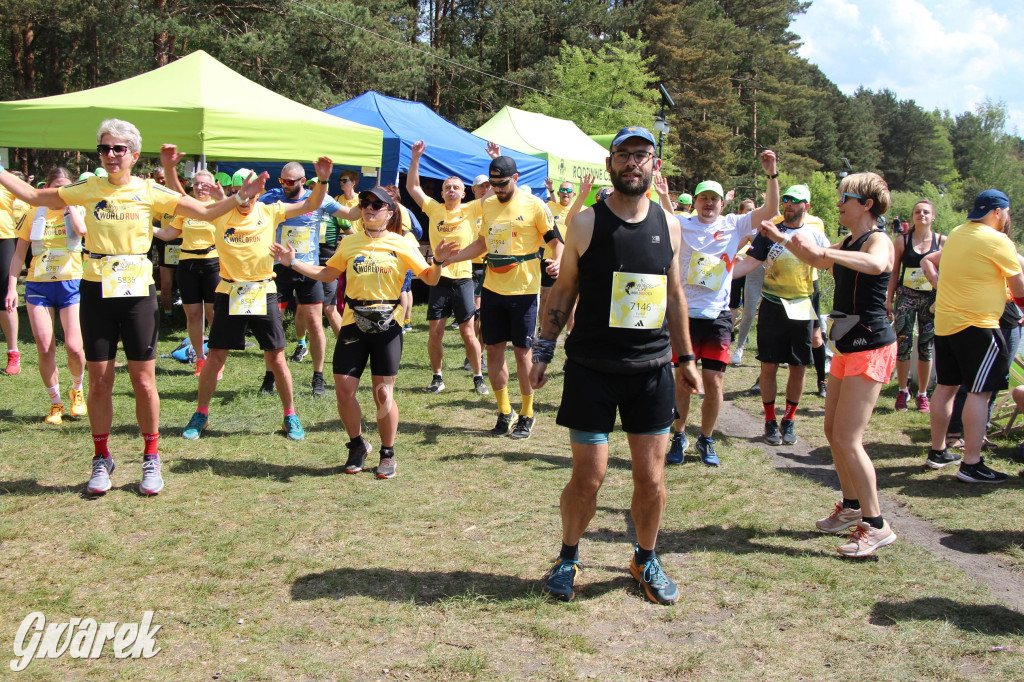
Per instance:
(633,131)
(987,201)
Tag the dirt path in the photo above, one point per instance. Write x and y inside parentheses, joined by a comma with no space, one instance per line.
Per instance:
(1007,587)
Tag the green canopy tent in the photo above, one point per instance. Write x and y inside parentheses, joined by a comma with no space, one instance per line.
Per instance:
(570,153)
(200,105)
(603,139)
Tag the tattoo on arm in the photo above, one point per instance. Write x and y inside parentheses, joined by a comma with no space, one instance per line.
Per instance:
(557,319)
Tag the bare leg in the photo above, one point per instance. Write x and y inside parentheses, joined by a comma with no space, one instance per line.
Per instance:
(435,350)
(73,340)
(941,411)
(274,359)
(387,409)
(649,493)
(497,370)
(351,414)
(579,497)
(208,379)
(795,384)
(524,363)
(469,340)
(194,322)
(857,398)
(712,405)
(312,316)
(40,318)
(147,400)
(975,418)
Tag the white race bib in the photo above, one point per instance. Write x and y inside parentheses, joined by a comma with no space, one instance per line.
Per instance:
(298,237)
(499,239)
(172,254)
(248,298)
(125,276)
(798,308)
(913,278)
(52,265)
(706,271)
(638,301)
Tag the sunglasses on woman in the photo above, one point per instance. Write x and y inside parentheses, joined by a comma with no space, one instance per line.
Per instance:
(375,204)
(119,150)
(847,195)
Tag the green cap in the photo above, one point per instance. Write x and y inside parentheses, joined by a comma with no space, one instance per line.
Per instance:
(685,199)
(41,184)
(709,186)
(798,192)
(86,174)
(100,173)
(240,176)
(223,179)
(311,182)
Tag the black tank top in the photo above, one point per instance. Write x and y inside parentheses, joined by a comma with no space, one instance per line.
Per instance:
(911,258)
(858,293)
(619,246)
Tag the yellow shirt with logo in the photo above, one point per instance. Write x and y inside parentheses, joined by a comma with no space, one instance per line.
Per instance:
(119,218)
(516,228)
(7,222)
(976,261)
(52,260)
(243,242)
(375,268)
(454,225)
(196,235)
(786,276)
(558,213)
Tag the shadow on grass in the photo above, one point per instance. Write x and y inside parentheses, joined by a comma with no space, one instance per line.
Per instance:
(974,541)
(278,472)
(987,619)
(30,486)
(735,540)
(555,461)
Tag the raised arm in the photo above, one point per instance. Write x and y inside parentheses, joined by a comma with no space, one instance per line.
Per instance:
(412,178)
(661,187)
(315,200)
(193,208)
(169,158)
(770,209)
(586,184)
(49,198)
(285,255)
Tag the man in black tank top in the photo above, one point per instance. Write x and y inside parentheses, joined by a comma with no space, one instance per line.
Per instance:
(620,258)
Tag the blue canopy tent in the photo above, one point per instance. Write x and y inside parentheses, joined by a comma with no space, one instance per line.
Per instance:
(450,149)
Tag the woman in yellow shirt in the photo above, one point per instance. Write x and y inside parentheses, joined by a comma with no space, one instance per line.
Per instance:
(52,286)
(374,262)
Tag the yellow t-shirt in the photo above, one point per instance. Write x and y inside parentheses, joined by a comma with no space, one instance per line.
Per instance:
(516,228)
(455,225)
(786,276)
(375,268)
(119,218)
(243,242)
(976,261)
(52,259)
(558,213)
(7,222)
(196,235)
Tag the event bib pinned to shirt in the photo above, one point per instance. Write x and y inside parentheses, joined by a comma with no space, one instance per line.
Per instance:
(248,298)
(125,276)
(638,301)
(798,308)
(913,278)
(298,237)
(52,265)
(499,239)
(172,254)
(706,271)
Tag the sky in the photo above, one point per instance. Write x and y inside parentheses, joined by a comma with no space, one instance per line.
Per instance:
(943,54)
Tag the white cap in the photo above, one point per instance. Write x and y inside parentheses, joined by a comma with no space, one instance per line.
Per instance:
(480,180)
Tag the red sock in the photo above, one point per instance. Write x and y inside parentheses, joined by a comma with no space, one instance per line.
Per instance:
(99,445)
(790,410)
(769,412)
(205,411)
(151,441)
(289,412)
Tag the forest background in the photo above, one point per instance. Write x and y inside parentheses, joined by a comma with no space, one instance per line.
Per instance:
(730,66)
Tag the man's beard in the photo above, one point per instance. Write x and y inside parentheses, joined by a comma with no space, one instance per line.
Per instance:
(632,187)
(293,193)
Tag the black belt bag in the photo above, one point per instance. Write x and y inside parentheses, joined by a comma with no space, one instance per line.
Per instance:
(372,317)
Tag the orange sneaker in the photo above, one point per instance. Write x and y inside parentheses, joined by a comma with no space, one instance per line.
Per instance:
(200,363)
(77,398)
(56,414)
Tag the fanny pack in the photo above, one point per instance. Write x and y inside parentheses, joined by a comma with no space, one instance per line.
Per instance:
(505,263)
(372,317)
(840,324)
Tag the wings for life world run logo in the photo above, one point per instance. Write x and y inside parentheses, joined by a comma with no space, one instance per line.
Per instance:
(233,236)
(636,289)
(82,638)
(112,211)
(363,265)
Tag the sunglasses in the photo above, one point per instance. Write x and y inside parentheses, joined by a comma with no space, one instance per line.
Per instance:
(791,200)
(501,183)
(344,180)
(565,190)
(119,150)
(290,183)
(375,204)
(847,195)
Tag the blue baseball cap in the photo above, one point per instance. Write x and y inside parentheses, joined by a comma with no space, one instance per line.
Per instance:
(633,131)
(986,202)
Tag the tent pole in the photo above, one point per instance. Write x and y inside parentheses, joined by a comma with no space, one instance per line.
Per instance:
(202,162)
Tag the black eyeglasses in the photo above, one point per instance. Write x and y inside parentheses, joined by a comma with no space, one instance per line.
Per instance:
(565,190)
(375,204)
(791,200)
(639,157)
(848,195)
(289,183)
(119,150)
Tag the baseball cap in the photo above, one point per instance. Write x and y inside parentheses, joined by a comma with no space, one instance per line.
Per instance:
(381,194)
(502,167)
(709,186)
(223,179)
(240,176)
(480,179)
(100,173)
(311,182)
(633,131)
(685,198)
(798,192)
(987,201)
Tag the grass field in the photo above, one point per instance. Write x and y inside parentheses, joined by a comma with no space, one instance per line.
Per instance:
(262,561)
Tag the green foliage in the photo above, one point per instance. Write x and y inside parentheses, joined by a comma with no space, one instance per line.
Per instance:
(946,215)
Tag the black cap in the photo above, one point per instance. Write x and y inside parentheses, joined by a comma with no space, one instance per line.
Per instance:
(381,194)
(502,167)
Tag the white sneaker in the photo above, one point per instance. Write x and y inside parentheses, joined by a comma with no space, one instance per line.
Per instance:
(736,357)
(152,482)
(99,482)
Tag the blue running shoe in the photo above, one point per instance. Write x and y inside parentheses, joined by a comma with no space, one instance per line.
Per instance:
(195,426)
(293,428)
(706,450)
(655,585)
(677,447)
(558,581)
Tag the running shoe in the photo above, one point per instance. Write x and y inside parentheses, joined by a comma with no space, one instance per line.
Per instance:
(480,386)
(267,388)
(677,446)
(293,428)
(840,519)
(706,450)
(319,387)
(501,428)
(77,399)
(655,585)
(13,363)
(522,429)
(152,482)
(357,453)
(436,384)
(755,389)
(466,366)
(865,539)
(200,362)
(901,400)
(195,426)
(771,433)
(301,351)
(407,328)
(387,468)
(99,483)
(454,325)
(940,458)
(922,404)
(788,431)
(56,414)
(822,389)
(979,473)
(736,358)
(560,579)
